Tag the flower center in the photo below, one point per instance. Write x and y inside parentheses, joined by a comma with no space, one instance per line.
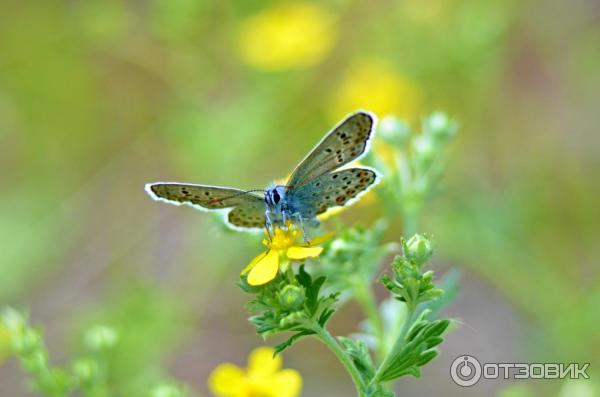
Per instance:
(283,239)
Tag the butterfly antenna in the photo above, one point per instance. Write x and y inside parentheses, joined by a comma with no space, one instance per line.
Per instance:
(242,193)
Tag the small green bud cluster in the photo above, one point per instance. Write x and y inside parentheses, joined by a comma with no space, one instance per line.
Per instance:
(290,302)
(355,253)
(394,131)
(86,370)
(292,297)
(28,345)
(413,163)
(101,337)
(409,283)
(436,130)
(439,127)
(418,249)
(86,376)
(167,390)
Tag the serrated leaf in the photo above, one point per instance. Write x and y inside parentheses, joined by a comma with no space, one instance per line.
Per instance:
(359,353)
(325,317)
(418,349)
(426,357)
(304,278)
(293,339)
(312,294)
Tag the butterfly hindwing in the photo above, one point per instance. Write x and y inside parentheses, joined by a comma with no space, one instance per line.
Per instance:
(248,209)
(333,190)
(251,215)
(345,143)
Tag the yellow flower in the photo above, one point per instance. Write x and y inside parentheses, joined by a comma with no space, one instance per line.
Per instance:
(287,36)
(374,85)
(282,247)
(5,342)
(428,12)
(263,378)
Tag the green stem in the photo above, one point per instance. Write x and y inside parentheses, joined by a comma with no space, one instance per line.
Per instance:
(365,298)
(335,347)
(407,202)
(409,218)
(398,345)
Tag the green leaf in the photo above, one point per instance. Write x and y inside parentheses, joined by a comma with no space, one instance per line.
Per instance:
(293,339)
(359,353)
(418,349)
(325,316)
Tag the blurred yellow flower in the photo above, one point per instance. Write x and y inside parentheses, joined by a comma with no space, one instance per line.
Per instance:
(285,245)
(428,12)
(287,36)
(4,342)
(263,378)
(374,85)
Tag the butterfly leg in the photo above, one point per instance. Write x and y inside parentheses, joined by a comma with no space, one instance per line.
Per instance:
(301,221)
(284,219)
(268,225)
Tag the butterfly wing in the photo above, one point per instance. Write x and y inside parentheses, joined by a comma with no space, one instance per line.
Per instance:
(333,190)
(248,209)
(345,143)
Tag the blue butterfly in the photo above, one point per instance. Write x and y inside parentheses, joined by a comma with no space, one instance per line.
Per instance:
(314,187)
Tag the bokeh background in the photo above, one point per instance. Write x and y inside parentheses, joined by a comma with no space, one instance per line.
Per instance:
(99,97)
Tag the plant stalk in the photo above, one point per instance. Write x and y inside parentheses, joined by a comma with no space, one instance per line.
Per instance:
(366,299)
(325,337)
(398,345)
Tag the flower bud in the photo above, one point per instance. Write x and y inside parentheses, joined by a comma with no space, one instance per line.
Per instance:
(418,249)
(35,361)
(439,127)
(291,297)
(13,320)
(292,318)
(101,337)
(394,131)
(85,369)
(166,390)
(27,341)
(424,150)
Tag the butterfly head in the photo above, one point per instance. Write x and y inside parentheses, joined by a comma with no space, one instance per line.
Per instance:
(274,197)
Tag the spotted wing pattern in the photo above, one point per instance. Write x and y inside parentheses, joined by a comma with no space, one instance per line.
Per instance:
(332,190)
(248,209)
(248,215)
(345,143)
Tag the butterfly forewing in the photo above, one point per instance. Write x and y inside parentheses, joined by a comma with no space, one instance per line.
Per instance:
(248,211)
(334,189)
(345,143)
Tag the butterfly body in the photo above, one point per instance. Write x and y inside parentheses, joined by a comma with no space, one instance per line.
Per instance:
(315,186)
(283,206)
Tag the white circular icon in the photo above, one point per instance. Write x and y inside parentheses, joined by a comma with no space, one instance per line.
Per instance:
(465,371)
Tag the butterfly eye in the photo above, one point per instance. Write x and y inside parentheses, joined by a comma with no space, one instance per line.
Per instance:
(276,197)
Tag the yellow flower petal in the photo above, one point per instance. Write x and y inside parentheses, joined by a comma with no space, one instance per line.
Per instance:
(286,383)
(290,35)
(322,239)
(389,91)
(299,252)
(227,380)
(253,262)
(265,269)
(331,212)
(261,363)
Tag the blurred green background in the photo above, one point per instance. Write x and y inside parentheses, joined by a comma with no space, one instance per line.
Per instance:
(99,97)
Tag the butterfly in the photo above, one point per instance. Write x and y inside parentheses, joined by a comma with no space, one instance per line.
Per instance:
(315,186)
